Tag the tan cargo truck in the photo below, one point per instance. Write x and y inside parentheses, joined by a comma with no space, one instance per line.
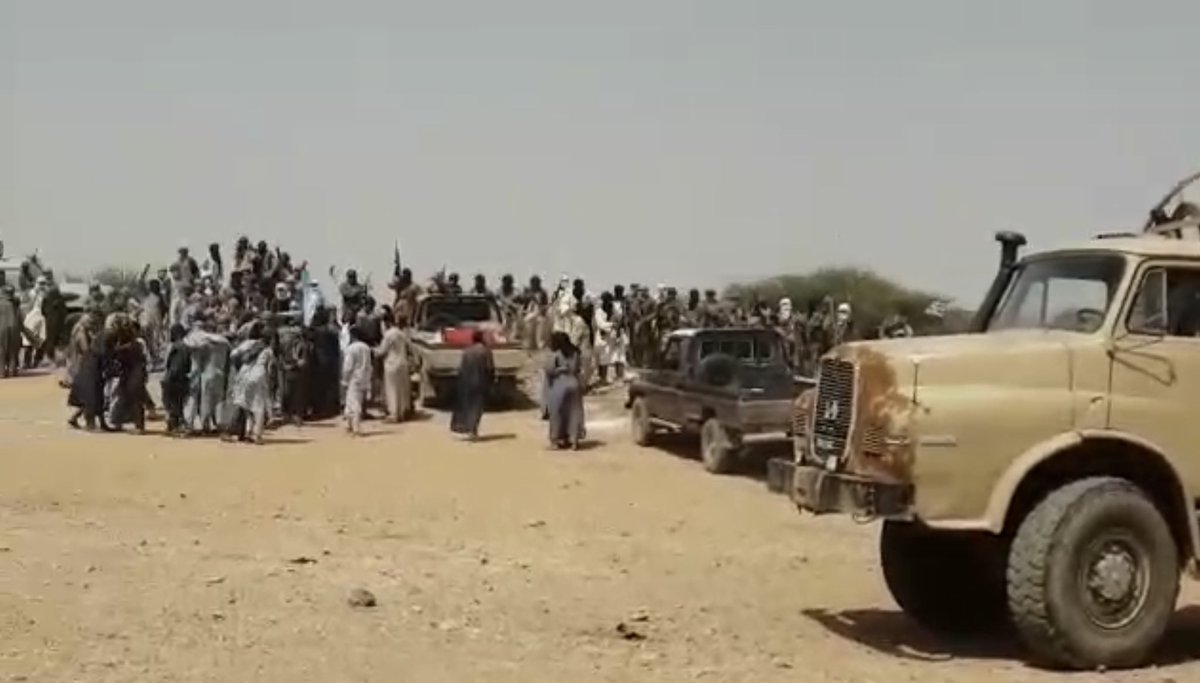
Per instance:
(1043,469)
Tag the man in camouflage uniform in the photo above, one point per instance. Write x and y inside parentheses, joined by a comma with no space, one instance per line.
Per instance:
(640,317)
(820,332)
(353,294)
(506,299)
(692,315)
(798,332)
(783,326)
(407,293)
(534,302)
(711,312)
(670,315)
(294,354)
(480,285)
(11,328)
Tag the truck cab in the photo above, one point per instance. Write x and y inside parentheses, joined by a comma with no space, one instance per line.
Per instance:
(1043,469)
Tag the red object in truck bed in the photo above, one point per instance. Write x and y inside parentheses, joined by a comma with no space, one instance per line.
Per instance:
(457,336)
(460,337)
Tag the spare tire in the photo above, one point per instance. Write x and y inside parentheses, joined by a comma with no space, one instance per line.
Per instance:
(718,370)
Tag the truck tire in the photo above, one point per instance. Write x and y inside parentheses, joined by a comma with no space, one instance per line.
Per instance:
(718,451)
(639,423)
(436,392)
(1093,576)
(428,399)
(505,392)
(949,583)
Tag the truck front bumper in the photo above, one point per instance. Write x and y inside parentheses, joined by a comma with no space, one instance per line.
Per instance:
(820,491)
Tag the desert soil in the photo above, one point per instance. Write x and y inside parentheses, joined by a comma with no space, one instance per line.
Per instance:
(128,558)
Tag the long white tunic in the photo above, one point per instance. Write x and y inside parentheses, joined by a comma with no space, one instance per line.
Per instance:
(251,386)
(356,376)
(610,339)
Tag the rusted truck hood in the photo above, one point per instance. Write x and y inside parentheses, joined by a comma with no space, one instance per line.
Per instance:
(906,365)
(963,345)
(945,392)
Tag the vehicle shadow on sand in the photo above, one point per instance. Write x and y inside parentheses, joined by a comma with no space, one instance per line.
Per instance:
(892,633)
(519,402)
(753,464)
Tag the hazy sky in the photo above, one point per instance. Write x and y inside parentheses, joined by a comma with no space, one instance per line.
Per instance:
(645,140)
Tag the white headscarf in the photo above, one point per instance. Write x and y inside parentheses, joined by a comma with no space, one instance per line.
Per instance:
(785,309)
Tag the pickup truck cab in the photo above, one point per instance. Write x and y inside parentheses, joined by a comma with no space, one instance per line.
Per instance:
(730,386)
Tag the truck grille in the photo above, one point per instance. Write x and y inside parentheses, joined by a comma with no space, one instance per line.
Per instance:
(834,409)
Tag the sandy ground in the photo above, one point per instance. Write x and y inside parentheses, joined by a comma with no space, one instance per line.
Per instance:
(128,558)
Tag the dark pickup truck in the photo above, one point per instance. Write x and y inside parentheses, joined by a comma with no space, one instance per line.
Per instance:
(732,386)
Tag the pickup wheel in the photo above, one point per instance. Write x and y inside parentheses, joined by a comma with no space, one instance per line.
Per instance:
(947,582)
(718,451)
(1093,576)
(427,394)
(436,392)
(640,427)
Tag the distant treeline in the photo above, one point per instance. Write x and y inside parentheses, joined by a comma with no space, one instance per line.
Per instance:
(872,297)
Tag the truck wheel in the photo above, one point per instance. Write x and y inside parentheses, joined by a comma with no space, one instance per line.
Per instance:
(1093,575)
(717,450)
(427,395)
(505,393)
(639,423)
(947,582)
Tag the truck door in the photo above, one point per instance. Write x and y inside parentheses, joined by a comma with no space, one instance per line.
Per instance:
(691,389)
(1156,363)
(665,392)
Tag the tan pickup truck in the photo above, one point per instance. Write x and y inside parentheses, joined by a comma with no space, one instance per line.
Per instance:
(1042,470)
(437,317)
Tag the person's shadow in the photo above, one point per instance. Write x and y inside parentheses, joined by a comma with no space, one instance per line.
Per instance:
(489,438)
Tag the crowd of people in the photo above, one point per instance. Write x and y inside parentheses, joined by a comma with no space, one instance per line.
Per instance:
(250,342)
(240,345)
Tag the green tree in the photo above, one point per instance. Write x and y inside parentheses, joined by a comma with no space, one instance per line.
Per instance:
(872,296)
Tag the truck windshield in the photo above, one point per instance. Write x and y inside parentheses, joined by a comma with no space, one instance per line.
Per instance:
(1060,293)
(438,313)
(754,350)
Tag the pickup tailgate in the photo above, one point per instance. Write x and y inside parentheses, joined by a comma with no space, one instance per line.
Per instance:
(770,409)
(764,414)
(444,360)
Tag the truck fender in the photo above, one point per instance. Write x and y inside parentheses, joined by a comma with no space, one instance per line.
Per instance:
(1002,494)
(699,410)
